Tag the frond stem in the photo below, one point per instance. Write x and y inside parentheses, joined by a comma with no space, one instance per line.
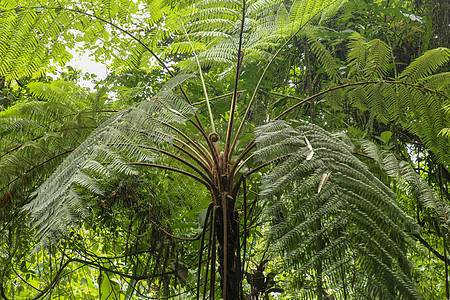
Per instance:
(205,92)
(247,149)
(252,144)
(240,56)
(258,85)
(211,146)
(205,183)
(236,170)
(351,84)
(204,153)
(242,178)
(267,164)
(194,155)
(205,177)
(216,97)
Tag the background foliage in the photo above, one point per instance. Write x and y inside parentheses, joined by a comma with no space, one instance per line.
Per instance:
(356,207)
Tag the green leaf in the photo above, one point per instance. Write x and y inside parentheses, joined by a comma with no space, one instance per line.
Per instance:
(386,136)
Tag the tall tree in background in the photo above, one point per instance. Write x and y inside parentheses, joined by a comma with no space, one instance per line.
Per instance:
(331,200)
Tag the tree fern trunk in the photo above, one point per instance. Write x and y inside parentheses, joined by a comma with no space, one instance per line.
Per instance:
(232,247)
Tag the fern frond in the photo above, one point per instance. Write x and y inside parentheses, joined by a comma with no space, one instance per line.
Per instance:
(425,65)
(379,59)
(37,135)
(370,60)
(25,36)
(406,176)
(325,58)
(258,7)
(138,135)
(438,82)
(357,54)
(352,214)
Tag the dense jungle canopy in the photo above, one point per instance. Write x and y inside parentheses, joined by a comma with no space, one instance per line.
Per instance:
(260,149)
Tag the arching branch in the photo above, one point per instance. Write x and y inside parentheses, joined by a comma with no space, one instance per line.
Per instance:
(347,85)
(252,144)
(207,184)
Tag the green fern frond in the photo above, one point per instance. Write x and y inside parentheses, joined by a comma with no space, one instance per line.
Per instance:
(112,9)
(184,47)
(222,53)
(33,39)
(331,10)
(394,107)
(379,59)
(325,58)
(357,54)
(37,135)
(417,109)
(324,204)
(57,89)
(425,65)
(258,7)
(202,16)
(138,134)
(302,11)
(25,36)
(445,132)
(438,82)
(176,81)
(406,176)
(369,60)
(267,23)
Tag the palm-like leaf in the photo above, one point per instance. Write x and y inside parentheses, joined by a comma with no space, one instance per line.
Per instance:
(37,135)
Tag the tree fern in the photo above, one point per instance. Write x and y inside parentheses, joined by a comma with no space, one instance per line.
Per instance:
(334,220)
(264,27)
(414,101)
